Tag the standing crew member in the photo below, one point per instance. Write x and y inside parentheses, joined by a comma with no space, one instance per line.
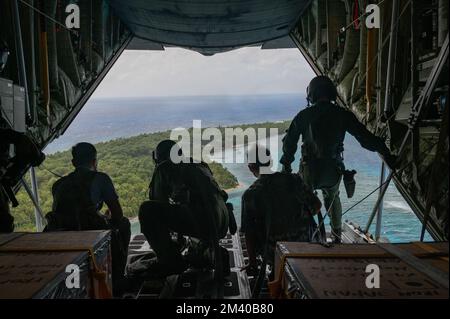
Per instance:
(323,127)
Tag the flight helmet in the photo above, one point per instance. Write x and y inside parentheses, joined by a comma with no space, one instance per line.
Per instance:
(321,87)
(163,151)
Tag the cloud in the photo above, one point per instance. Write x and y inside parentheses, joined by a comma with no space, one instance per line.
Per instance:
(178,72)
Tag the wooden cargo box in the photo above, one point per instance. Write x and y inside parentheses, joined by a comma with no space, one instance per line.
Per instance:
(416,270)
(35,265)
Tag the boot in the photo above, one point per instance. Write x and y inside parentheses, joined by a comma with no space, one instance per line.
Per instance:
(157,269)
(225,262)
(336,236)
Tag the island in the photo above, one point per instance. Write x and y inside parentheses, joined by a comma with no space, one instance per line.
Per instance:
(129,163)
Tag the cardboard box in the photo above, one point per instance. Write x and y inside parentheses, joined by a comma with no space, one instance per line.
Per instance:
(341,272)
(38,265)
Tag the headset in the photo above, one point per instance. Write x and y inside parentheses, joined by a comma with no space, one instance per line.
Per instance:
(323,83)
(163,151)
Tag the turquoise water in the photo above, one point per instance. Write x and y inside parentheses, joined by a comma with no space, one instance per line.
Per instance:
(106,119)
(399,224)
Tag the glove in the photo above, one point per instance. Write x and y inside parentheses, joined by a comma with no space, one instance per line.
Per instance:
(251,270)
(286,169)
(27,151)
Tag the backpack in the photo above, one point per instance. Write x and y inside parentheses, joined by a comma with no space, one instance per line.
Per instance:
(205,196)
(296,187)
(294,183)
(73,208)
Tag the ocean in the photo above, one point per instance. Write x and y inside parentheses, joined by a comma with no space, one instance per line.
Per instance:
(106,119)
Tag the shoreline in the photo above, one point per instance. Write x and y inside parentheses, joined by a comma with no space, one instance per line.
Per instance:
(112,139)
(234,189)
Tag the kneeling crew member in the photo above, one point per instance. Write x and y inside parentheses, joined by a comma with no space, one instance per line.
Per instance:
(184,198)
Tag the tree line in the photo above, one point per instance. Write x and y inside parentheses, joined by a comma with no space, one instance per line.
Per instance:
(128,162)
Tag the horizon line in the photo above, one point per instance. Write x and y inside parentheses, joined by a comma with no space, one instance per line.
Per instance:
(199,95)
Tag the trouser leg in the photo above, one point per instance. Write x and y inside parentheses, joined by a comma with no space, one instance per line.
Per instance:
(120,239)
(6,219)
(158,219)
(124,229)
(6,222)
(305,175)
(331,199)
(334,206)
(122,236)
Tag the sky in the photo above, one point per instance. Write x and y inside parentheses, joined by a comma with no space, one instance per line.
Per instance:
(180,72)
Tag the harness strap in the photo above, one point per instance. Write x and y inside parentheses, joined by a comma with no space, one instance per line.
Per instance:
(14,236)
(432,272)
(429,248)
(262,272)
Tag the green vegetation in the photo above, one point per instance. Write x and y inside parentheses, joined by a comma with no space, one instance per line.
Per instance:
(127,161)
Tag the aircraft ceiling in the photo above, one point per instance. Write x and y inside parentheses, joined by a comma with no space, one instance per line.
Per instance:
(209,26)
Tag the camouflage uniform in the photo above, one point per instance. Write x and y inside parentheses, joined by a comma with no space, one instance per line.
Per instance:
(323,127)
(184,198)
(284,201)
